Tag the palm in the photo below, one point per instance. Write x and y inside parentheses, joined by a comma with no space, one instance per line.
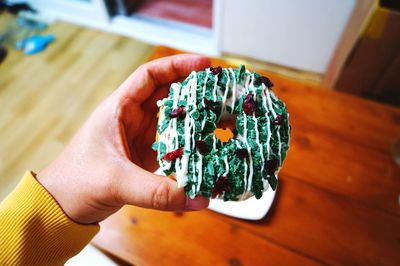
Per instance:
(137,100)
(141,135)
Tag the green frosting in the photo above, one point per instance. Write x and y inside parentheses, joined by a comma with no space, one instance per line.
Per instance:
(269,151)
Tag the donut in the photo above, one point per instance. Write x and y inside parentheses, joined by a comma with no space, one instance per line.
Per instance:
(233,169)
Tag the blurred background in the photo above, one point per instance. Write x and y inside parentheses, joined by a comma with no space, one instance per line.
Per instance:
(59,59)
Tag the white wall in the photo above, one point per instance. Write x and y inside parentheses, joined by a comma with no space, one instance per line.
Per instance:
(296,33)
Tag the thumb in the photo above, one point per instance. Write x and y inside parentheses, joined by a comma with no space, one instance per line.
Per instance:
(144,189)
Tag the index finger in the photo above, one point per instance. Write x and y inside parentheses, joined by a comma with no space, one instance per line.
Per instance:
(149,76)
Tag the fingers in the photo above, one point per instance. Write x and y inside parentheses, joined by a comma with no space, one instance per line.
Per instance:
(148,77)
(147,190)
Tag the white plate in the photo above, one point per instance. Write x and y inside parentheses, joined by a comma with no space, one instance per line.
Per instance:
(250,209)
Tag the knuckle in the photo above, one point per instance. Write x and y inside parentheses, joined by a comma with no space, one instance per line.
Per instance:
(161,196)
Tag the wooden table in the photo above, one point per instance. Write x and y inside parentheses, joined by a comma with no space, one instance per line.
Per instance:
(337,201)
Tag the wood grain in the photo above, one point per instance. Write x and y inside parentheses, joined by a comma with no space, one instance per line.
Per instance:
(337,201)
(146,237)
(44,98)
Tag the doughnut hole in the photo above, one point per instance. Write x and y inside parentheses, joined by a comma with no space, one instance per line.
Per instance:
(225,128)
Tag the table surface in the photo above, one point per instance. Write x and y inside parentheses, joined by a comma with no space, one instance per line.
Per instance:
(337,201)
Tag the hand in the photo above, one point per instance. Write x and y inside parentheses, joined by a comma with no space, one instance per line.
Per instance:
(109,162)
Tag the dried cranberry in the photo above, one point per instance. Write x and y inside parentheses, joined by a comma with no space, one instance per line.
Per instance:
(215,70)
(242,153)
(210,105)
(270,166)
(221,185)
(173,155)
(178,112)
(249,106)
(215,193)
(267,82)
(202,147)
(278,120)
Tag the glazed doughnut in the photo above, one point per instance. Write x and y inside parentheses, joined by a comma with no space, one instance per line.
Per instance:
(187,146)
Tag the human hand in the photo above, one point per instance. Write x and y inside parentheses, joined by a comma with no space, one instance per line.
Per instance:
(109,162)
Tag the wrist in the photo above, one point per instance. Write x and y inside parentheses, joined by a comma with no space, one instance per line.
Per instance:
(73,197)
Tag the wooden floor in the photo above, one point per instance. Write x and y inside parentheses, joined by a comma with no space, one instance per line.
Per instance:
(44,98)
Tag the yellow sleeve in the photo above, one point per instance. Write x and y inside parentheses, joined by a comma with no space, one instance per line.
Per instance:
(34,230)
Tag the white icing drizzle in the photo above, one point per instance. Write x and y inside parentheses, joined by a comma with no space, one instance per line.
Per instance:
(193,99)
(177,91)
(194,189)
(258,143)
(215,88)
(159,119)
(220,196)
(200,168)
(225,93)
(245,172)
(181,171)
(233,90)
(250,177)
(169,136)
(205,84)
(256,128)
(215,99)
(204,94)
(226,166)
(264,101)
(194,177)
(275,115)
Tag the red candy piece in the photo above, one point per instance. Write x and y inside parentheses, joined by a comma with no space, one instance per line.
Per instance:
(215,70)
(179,112)
(202,147)
(173,155)
(249,106)
(222,185)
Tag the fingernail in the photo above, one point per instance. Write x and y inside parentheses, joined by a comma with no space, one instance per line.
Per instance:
(198,203)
